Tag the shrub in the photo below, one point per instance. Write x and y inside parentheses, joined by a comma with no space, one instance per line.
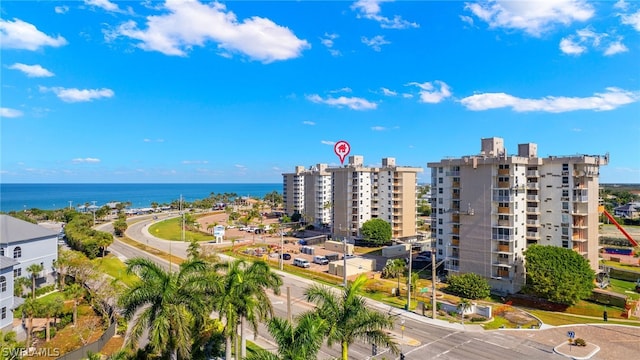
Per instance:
(579,342)
(44,289)
(469,285)
(478,319)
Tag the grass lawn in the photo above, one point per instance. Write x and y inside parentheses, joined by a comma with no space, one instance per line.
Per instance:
(161,254)
(170,229)
(556,319)
(112,266)
(624,287)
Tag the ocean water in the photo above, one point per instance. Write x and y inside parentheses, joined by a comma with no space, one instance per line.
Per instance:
(15,197)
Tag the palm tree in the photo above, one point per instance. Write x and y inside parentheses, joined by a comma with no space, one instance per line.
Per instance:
(51,308)
(193,251)
(243,297)
(463,305)
(301,341)
(29,309)
(75,291)
(393,269)
(171,305)
(34,270)
(349,317)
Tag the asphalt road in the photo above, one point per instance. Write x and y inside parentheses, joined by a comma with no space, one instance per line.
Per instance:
(422,337)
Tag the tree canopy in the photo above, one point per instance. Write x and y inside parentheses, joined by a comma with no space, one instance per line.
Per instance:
(469,286)
(557,274)
(376,231)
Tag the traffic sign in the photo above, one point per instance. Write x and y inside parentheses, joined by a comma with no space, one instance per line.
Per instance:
(571,334)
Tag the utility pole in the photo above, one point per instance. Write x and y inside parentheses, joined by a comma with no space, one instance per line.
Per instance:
(289,304)
(281,249)
(344,258)
(409,278)
(182,214)
(433,284)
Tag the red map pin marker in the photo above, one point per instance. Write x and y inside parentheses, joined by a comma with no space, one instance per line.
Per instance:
(342,149)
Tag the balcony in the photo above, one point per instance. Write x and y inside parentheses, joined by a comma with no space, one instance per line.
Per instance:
(453,173)
(503,248)
(501,274)
(533,235)
(579,238)
(455,196)
(455,218)
(533,210)
(532,185)
(503,171)
(503,198)
(504,210)
(533,222)
(580,199)
(503,263)
(455,184)
(455,231)
(503,184)
(503,237)
(533,198)
(533,173)
(455,242)
(450,267)
(507,223)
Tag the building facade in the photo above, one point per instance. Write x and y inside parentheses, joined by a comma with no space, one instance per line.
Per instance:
(23,244)
(344,198)
(488,208)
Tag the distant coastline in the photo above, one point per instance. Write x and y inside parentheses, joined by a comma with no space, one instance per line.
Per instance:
(16,197)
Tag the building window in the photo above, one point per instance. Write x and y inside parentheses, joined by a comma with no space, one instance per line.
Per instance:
(1,251)
(440,252)
(17,252)
(17,273)
(440,201)
(439,231)
(3,284)
(440,190)
(440,221)
(439,241)
(3,313)
(565,180)
(440,170)
(440,181)
(565,167)
(565,244)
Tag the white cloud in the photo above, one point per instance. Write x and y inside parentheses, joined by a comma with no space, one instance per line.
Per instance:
(239,166)
(378,128)
(32,70)
(341,90)
(407,95)
(18,34)
(375,42)
(79,95)
(609,100)
(353,103)
(61,9)
(85,160)
(370,9)
(582,40)
(156,140)
(9,113)
(310,123)
(621,4)
(104,4)
(615,48)
(532,17)
(568,46)
(576,130)
(191,162)
(327,142)
(388,92)
(467,19)
(191,23)
(631,19)
(430,94)
(327,41)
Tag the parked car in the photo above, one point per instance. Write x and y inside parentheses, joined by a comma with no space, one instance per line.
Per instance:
(303,263)
(321,260)
(423,258)
(286,256)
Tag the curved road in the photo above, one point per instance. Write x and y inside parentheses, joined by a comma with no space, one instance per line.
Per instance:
(422,337)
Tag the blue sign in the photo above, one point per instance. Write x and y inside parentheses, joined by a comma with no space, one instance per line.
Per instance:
(571,334)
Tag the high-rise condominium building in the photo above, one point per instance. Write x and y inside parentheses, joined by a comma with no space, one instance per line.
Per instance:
(361,193)
(308,192)
(487,208)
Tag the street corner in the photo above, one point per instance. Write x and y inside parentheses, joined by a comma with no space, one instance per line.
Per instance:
(576,352)
(404,340)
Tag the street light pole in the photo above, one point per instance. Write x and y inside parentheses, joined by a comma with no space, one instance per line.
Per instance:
(409,278)
(281,249)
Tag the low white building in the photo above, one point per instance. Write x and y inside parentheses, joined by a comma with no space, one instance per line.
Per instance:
(6,292)
(23,244)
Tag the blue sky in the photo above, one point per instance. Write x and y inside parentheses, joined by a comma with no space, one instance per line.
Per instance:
(242,91)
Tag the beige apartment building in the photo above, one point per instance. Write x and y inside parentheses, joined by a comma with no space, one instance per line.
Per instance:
(346,197)
(487,208)
(308,192)
(361,193)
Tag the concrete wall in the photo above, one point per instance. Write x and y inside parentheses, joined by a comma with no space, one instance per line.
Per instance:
(335,246)
(395,250)
(355,266)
